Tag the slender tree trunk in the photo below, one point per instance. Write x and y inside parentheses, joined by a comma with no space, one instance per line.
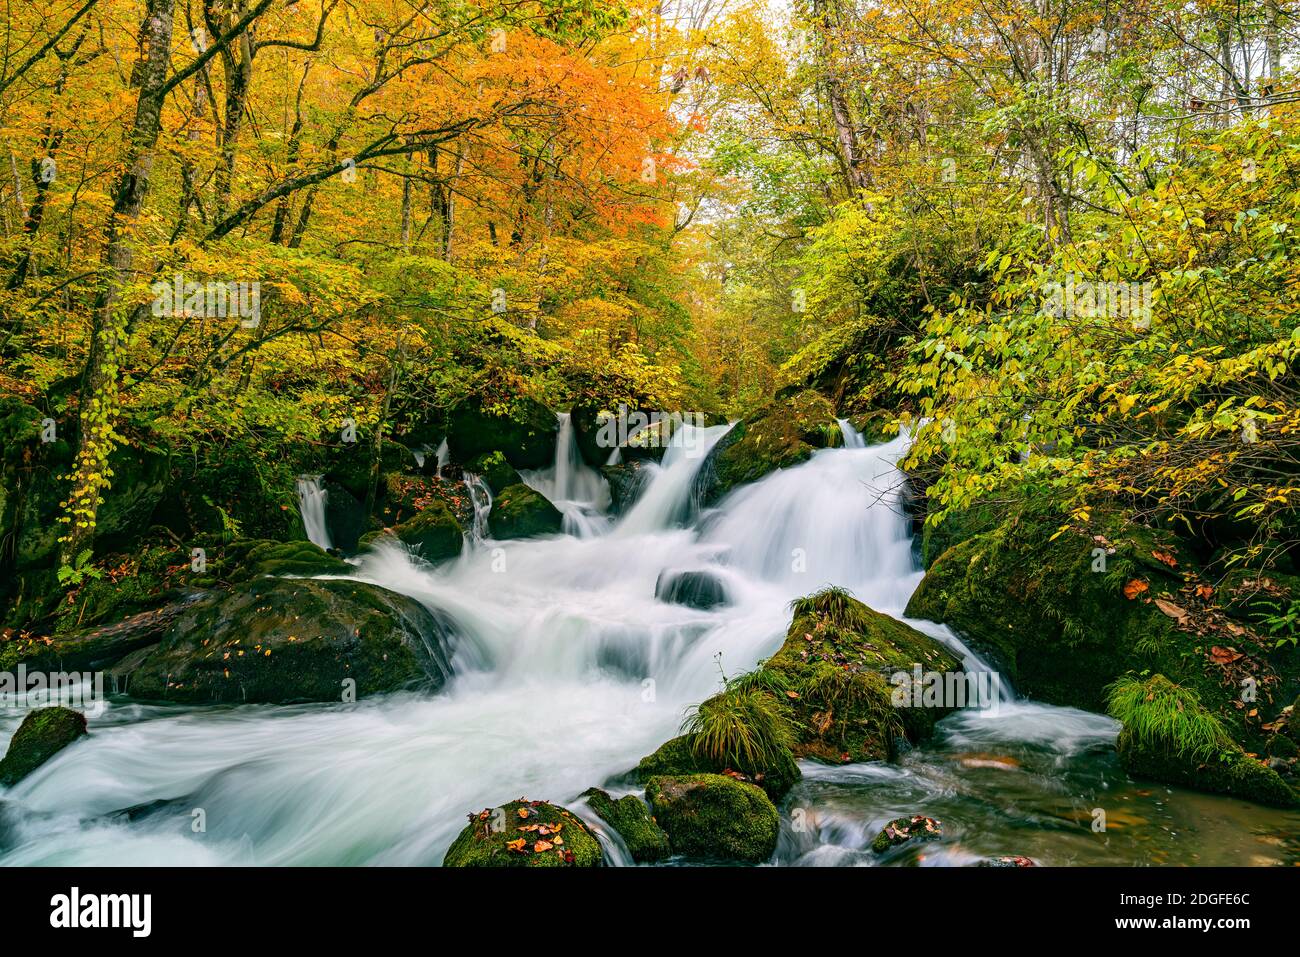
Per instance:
(100,385)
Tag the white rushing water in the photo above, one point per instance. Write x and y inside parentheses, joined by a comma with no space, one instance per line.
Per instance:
(568,671)
(311,505)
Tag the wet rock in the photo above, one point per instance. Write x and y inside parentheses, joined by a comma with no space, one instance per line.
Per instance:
(522,512)
(714,817)
(43,734)
(626,482)
(276,640)
(645,839)
(526,436)
(694,589)
(905,830)
(345,517)
(495,471)
(525,833)
(841,661)
(679,757)
(778,435)
(1011,861)
(432,533)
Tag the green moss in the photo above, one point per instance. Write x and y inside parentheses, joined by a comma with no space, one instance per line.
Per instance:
(1158,714)
(433,533)
(516,835)
(493,468)
(1169,736)
(714,817)
(906,830)
(645,839)
(522,512)
(245,560)
(44,733)
(837,659)
(682,756)
(778,435)
(525,433)
(277,640)
(1061,631)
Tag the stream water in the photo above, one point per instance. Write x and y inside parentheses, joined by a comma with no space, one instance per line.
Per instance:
(569,670)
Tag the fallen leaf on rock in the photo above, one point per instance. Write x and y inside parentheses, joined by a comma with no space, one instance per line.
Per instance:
(1135,588)
(542,846)
(1225,656)
(1166,557)
(1169,608)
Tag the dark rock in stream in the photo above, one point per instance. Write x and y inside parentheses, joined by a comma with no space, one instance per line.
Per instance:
(905,830)
(43,734)
(522,512)
(694,589)
(275,641)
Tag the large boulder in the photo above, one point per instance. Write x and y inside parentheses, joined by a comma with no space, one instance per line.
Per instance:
(845,666)
(1066,609)
(781,434)
(277,640)
(44,733)
(526,435)
(713,817)
(432,533)
(522,512)
(525,833)
(629,816)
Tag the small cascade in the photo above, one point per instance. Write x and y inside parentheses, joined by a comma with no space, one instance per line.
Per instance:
(666,501)
(480,497)
(852,437)
(311,506)
(441,455)
(577,490)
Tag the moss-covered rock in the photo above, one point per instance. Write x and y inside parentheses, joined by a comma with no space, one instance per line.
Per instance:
(522,512)
(278,640)
(715,817)
(645,839)
(1067,610)
(1169,736)
(682,755)
(840,660)
(955,527)
(525,435)
(244,560)
(44,733)
(433,533)
(1062,631)
(493,468)
(781,434)
(525,834)
(906,830)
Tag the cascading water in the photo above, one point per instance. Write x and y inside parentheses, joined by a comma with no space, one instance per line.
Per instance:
(852,437)
(577,490)
(311,505)
(568,671)
(441,455)
(480,498)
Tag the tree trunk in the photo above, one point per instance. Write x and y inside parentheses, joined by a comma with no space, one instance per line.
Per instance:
(100,385)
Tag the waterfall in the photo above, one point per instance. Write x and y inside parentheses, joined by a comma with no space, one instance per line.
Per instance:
(480,497)
(852,437)
(577,490)
(666,500)
(568,671)
(440,457)
(311,505)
